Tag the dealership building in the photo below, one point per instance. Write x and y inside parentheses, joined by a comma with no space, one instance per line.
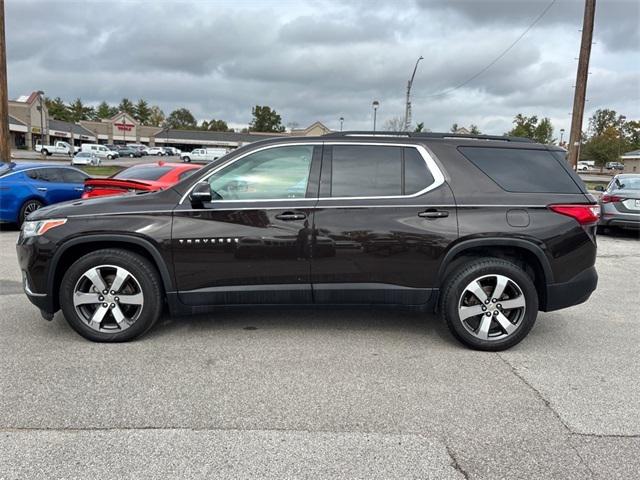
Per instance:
(30,123)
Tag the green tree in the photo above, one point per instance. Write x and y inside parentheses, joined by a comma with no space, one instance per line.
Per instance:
(631,132)
(182,119)
(265,120)
(473,129)
(419,127)
(104,110)
(529,127)
(215,126)
(156,117)
(454,128)
(142,112)
(602,148)
(57,109)
(602,120)
(79,111)
(127,107)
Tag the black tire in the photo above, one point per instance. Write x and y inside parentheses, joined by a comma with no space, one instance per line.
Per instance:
(452,297)
(109,157)
(44,151)
(186,159)
(131,155)
(28,207)
(144,272)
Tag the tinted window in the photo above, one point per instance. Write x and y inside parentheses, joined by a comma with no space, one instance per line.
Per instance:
(281,172)
(142,173)
(73,176)
(416,174)
(366,171)
(522,170)
(187,173)
(46,174)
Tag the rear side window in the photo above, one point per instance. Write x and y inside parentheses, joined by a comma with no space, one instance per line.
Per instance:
(46,174)
(142,172)
(416,174)
(522,170)
(366,171)
(73,176)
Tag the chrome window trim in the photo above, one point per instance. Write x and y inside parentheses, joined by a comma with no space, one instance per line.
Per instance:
(432,166)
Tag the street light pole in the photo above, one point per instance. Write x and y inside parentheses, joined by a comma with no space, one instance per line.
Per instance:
(40,95)
(375,105)
(341,122)
(622,119)
(5,147)
(561,135)
(407,106)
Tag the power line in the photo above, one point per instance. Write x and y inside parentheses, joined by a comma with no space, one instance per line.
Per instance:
(495,60)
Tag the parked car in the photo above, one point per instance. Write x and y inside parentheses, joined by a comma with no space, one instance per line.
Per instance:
(85,158)
(172,150)
(26,187)
(143,177)
(58,148)
(129,152)
(100,151)
(138,146)
(583,167)
(159,151)
(620,202)
(486,230)
(203,154)
(614,166)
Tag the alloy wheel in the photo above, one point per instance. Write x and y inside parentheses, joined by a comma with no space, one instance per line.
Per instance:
(30,208)
(492,307)
(108,298)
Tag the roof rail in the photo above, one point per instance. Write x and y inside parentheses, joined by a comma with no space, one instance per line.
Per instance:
(442,135)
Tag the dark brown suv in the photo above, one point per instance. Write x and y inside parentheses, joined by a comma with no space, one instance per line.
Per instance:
(485,230)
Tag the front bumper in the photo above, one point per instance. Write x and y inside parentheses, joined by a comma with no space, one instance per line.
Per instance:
(40,300)
(575,291)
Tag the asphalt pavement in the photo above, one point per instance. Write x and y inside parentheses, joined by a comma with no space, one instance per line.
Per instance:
(325,393)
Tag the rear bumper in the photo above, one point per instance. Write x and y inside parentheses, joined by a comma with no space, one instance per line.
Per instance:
(575,291)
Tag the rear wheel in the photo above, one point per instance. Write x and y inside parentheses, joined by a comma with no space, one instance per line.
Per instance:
(131,155)
(110,157)
(28,207)
(111,295)
(186,159)
(489,304)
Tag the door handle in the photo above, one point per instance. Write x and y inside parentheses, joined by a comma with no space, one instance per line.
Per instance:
(42,189)
(288,216)
(79,189)
(434,214)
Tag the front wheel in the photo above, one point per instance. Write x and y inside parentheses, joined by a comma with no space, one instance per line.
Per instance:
(186,159)
(489,304)
(131,155)
(111,295)
(110,157)
(28,207)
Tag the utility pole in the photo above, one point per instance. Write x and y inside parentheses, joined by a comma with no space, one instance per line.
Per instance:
(5,147)
(575,136)
(407,105)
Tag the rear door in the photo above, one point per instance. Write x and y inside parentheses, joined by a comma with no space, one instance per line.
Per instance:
(383,221)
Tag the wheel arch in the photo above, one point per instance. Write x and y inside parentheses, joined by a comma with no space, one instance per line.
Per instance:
(527,254)
(72,250)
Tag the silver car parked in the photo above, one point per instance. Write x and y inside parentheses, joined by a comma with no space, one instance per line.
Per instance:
(620,202)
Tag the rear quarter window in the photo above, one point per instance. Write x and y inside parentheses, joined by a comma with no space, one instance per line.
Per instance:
(522,170)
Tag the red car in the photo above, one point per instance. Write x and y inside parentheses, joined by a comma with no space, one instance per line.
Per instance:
(144,177)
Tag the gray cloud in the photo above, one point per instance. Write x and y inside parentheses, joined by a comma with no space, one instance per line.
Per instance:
(325,59)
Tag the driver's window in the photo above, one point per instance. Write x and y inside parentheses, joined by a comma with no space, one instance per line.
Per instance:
(273,173)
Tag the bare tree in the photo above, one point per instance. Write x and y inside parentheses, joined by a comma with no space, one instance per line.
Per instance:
(394,124)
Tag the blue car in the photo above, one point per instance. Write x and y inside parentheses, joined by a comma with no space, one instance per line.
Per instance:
(26,187)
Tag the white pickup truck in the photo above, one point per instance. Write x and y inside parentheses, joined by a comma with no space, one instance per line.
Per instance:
(203,154)
(59,148)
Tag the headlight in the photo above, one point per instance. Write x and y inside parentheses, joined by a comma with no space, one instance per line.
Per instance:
(39,227)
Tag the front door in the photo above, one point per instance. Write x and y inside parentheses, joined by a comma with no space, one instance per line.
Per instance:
(383,221)
(251,243)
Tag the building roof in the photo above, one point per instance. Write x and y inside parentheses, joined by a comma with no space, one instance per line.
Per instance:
(204,135)
(632,154)
(63,126)
(15,121)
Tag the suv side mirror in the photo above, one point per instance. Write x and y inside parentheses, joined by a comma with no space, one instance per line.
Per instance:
(599,188)
(201,193)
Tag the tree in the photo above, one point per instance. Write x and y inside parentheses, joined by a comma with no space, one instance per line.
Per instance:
(631,132)
(473,129)
(602,120)
(57,109)
(454,128)
(529,127)
(142,112)
(127,107)
(105,110)
(602,148)
(78,111)
(265,120)
(394,124)
(419,127)
(182,119)
(215,126)
(156,117)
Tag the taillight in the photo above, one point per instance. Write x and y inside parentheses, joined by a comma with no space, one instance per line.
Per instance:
(584,214)
(606,198)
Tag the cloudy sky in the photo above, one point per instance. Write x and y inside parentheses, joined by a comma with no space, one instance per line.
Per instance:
(323,59)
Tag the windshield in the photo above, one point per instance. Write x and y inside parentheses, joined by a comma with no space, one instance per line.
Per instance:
(142,173)
(628,183)
(6,168)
